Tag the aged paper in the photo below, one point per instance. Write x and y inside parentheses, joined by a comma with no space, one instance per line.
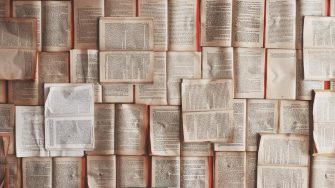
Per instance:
(165,127)
(84,66)
(56,26)
(249,72)
(101,171)
(195,172)
(155,93)
(181,65)
(217,63)
(86,19)
(183,30)
(36,172)
(126,67)
(281,74)
(120,8)
(196,149)
(5,8)
(67,172)
(3,92)
(132,171)
(131,129)
(157,9)
(323,171)
(318,31)
(165,172)
(54,67)
(14,172)
(117,93)
(319,64)
(126,33)
(69,117)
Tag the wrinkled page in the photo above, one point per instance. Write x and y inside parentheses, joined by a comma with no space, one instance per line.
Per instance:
(14,172)
(195,172)
(7,118)
(69,117)
(262,117)
(120,8)
(30,131)
(117,93)
(248,23)
(196,149)
(318,32)
(249,72)
(323,171)
(181,65)
(126,67)
(101,171)
(281,74)
(294,117)
(86,15)
(280,24)
(157,9)
(319,64)
(67,172)
(183,29)
(132,171)
(155,93)
(165,127)
(217,63)
(165,172)
(57,25)
(131,129)
(126,33)
(54,67)
(84,66)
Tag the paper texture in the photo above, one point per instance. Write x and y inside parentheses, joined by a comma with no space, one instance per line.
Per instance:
(183,30)
(126,67)
(281,74)
(319,64)
(120,8)
(86,19)
(5,8)
(249,71)
(3,92)
(69,117)
(101,171)
(126,33)
(323,169)
(165,172)
(317,31)
(84,66)
(217,63)
(181,65)
(117,93)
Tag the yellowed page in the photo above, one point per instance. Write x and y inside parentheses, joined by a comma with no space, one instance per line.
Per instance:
(194,172)
(5,8)
(120,8)
(319,64)
(86,15)
(165,172)
(200,149)
(322,171)
(217,63)
(117,93)
(84,66)
(67,172)
(36,172)
(3,91)
(101,171)
(54,67)
(14,172)
(318,31)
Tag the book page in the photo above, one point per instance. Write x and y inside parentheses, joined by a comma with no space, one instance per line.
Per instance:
(319,64)
(283,150)
(3,92)
(290,176)
(155,93)
(307,8)
(30,9)
(67,172)
(29,126)
(294,117)
(183,25)
(14,172)
(84,66)
(165,127)
(181,65)
(248,23)
(69,117)
(229,169)
(323,169)
(7,118)
(117,93)
(5,8)
(332,8)
(281,74)
(57,26)
(126,67)
(86,15)
(165,172)
(101,171)
(126,33)
(195,172)
(196,149)
(104,129)
(217,63)
(217,109)
(249,72)
(36,172)
(54,67)
(305,87)
(318,31)
(240,125)
(262,117)
(17,64)
(131,129)
(157,9)
(251,169)
(25,92)
(323,110)
(280,24)
(132,171)
(120,8)
(216,22)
